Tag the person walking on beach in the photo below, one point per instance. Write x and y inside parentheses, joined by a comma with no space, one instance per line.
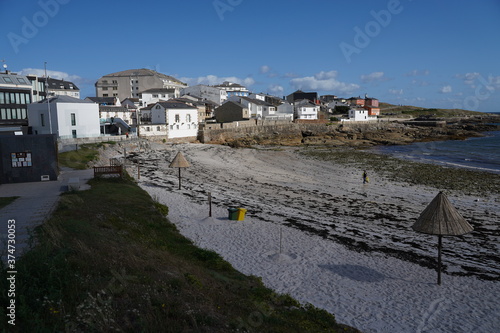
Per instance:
(365,177)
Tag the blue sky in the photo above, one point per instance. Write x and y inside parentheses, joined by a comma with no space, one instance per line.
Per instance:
(427,53)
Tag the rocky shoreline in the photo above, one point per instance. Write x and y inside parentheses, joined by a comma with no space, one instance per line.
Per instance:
(372,134)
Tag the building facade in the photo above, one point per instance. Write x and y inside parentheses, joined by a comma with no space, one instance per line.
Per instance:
(65,116)
(130,83)
(15,96)
(205,92)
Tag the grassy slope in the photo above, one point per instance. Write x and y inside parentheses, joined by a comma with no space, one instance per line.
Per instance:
(108,260)
(4,201)
(415,111)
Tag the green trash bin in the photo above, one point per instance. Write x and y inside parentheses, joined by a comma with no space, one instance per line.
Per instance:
(233,213)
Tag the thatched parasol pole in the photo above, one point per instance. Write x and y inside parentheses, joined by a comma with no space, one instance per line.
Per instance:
(179,162)
(441,218)
(440,246)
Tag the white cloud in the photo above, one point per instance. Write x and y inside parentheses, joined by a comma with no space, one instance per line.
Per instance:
(323,81)
(375,76)
(420,83)
(416,72)
(445,89)
(214,79)
(52,74)
(276,89)
(396,91)
(264,69)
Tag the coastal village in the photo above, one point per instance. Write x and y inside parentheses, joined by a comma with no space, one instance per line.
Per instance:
(314,229)
(146,103)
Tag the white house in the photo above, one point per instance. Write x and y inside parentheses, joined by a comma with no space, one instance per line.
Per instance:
(359,115)
(181,119)
(66,116)
(305,109)
(155,95)
(258,108)
(205,92)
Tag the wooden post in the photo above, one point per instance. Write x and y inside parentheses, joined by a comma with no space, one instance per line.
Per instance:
(440,245)
(138,169)
(210,204)
(179,178)
(281,229)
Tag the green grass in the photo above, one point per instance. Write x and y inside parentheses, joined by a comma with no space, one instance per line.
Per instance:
(109,260)
(415,111)
(80,158)
(5,201)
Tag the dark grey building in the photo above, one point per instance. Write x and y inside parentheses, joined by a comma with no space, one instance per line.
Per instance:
(28,158)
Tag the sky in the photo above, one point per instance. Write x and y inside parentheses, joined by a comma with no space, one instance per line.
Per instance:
(428,53)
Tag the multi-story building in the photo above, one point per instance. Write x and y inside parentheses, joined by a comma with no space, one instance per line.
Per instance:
(215,94)
(233,89)
(15,95)
(130,83)
(61,88)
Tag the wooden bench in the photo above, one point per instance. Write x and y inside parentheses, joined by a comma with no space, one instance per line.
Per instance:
(108,170)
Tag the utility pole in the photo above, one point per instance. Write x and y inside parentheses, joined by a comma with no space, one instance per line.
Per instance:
(47,95)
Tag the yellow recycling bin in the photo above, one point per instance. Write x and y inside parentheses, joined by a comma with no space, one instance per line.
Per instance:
(240,216)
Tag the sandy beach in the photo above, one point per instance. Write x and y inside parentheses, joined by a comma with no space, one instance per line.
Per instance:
(346,246)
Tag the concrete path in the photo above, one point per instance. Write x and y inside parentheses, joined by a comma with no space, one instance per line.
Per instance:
(36,202)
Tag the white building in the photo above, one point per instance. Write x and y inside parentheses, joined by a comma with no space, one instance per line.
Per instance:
(305,109)
(65,116)
(181,119)
(204,92)
(258,108)
(233,89)
(359,115)
(155,95)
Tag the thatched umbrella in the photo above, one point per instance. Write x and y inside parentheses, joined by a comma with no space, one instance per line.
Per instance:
(441,218)
(179,162)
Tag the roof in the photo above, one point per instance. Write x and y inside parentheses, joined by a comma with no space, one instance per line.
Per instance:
(255,101)
(441,218)
(159,90)
(143,72)
(64,99)
(229,84)
(170,105)
(14,79)
(179,162)
(103,100)
(60,84)
(113,108)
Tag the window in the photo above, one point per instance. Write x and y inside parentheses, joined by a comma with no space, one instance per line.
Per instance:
(177,118)
(115,88)
(114,81)
(177,126)
(158,107)
(42,119)
(158,128)
(155,96)
(104,81)
(2,98)
(104,95)
(3,114)
(73,133)
(104,88)
(21,80)
(73,119)
(188,118)
(7,79)
(171,127)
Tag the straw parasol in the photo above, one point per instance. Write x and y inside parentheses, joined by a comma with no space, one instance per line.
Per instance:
(179,162)
(441,218)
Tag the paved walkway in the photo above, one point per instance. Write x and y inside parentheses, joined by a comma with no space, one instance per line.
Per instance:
(36,203)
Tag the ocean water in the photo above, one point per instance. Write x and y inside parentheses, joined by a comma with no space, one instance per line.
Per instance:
(474,153)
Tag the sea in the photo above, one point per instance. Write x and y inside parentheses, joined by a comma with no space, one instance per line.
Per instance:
(482,153)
